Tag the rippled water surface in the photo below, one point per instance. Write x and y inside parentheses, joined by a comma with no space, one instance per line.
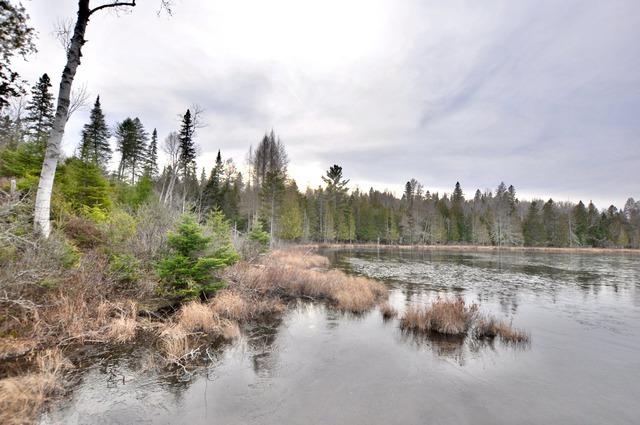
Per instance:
(318,366)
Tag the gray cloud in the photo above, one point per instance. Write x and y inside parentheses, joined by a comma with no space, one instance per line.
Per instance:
(542,95)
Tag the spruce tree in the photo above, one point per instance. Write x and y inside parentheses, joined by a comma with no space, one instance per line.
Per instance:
(187,146)
(40,112)
(213,191)
(131,142)
(95,138)
(151,164)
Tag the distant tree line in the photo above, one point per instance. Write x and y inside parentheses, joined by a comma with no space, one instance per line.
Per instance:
(266,199)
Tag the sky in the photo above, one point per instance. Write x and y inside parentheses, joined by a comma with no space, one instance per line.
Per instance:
(542,95)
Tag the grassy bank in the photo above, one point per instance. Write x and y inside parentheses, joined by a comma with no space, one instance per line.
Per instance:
(85,307)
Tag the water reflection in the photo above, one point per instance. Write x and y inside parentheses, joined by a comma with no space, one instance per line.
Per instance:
(315,365)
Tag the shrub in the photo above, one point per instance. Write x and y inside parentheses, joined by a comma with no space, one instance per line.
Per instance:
(188,269)
(84,233)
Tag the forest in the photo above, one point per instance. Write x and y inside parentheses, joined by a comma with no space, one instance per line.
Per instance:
(259,195)
(127,238)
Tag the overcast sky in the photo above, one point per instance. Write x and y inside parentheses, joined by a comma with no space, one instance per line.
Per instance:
(543,95)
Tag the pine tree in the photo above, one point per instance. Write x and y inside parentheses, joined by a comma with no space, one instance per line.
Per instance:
(131,140)
(151,163)
(187,147)
(40,112)
(213,191)
(95,138)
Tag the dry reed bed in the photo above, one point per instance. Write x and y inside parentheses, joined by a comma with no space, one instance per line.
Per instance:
(286,275)
(454,317)
(23,397)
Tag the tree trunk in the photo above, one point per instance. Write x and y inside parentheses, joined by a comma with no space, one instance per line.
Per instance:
(45,186)
(42,213)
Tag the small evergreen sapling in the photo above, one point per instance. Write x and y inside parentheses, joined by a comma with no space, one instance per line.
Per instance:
(188,270)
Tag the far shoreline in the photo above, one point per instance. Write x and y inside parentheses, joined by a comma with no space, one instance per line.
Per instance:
(373,246)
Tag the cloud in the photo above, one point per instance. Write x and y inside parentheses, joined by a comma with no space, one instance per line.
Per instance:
(539,94)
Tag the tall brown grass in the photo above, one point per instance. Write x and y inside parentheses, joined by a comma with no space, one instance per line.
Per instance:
(281,281)
(488,327)
(454,317)
(388,311)
(445,316)
(23,397)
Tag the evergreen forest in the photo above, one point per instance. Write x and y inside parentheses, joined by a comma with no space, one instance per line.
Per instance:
(116,167)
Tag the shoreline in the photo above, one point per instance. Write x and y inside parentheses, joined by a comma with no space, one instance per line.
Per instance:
(581,250)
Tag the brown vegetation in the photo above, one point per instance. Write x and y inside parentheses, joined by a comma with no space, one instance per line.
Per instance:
(449,317)
(388,311)
(286,275)
(454,317)
(490,327)
(22,397)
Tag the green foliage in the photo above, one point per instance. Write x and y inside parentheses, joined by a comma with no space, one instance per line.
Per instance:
(82,184)
(95,138)
(258,235)
(124,267)
(23,162)
(16,37)
(188,268)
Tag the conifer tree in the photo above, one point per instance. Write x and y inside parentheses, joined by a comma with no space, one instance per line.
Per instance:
(213,191)
(95,138)
(151,164)
(187,147)
(131,142)
(40,112)
(16,37)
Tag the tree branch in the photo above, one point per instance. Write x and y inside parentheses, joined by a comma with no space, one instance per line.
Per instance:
(116,4)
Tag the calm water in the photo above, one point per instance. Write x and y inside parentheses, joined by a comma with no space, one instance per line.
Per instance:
(317,366)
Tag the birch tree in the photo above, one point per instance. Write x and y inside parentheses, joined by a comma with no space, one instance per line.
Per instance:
(74,53)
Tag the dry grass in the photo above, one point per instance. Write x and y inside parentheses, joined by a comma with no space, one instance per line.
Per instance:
(490,327)
(449,317)
(230,305)
(23,397)
(278,281)
(122,329)
(298,258)
(388,311)
(196,316)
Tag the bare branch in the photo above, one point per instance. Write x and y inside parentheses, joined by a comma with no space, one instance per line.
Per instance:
(63,32)
(79,100)
(109,5)
(166,6)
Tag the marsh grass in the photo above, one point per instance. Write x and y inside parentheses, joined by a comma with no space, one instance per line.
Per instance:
(445,316)
(23,397)
(388,311)
(453,317)
(488,327)
(285,277)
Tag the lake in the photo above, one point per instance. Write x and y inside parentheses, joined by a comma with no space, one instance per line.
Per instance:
(319,366)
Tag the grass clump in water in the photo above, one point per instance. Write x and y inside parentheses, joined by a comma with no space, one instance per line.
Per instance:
(445,316)
(388,311)
(489,327)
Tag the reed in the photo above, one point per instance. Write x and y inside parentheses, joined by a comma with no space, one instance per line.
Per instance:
(22,398)
(445,316)
(488,327)
(388,311)
(196,316)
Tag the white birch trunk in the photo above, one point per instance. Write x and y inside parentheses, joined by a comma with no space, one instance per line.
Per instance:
(42,214)
(45,186)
